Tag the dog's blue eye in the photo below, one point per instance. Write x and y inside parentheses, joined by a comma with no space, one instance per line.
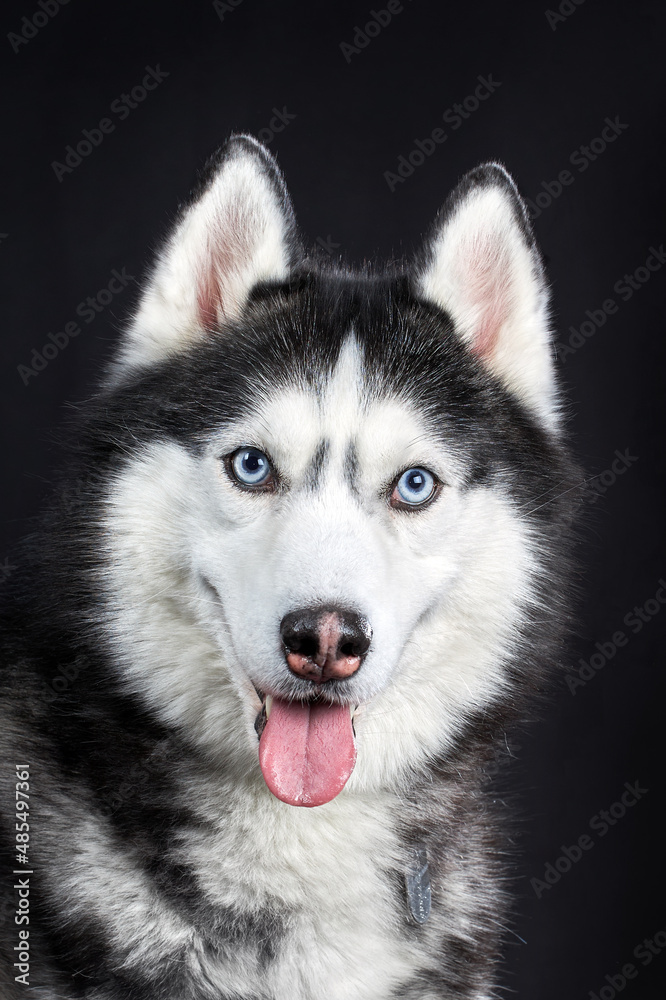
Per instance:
(251,467)
(415,487)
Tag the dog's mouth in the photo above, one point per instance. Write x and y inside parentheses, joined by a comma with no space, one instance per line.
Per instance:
(307,749)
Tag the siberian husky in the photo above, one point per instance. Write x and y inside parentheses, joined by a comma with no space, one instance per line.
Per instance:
(308,561)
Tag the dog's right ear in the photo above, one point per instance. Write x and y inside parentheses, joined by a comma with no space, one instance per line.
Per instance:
(237,231)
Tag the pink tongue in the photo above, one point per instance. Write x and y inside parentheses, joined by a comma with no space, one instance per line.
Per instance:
(307,751)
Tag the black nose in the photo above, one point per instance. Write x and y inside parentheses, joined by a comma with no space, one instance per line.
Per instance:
(325,643)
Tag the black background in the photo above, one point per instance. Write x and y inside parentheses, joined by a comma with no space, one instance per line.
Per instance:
(353,119)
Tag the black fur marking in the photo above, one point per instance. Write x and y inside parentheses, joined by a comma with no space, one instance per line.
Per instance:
(351,467)
(221,928)
(314,472)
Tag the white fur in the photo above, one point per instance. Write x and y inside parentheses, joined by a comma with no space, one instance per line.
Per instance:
(483,273)
(326,866)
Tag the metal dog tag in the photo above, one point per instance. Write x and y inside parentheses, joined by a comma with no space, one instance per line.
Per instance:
(417,883)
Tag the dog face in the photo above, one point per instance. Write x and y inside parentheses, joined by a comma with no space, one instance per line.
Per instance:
(326,495)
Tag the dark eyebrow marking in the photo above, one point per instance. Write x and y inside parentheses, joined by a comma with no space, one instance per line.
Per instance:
(351,466)
(478,475)
(313,474)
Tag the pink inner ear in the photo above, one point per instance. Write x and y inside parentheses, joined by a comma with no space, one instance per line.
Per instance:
(224,253)
(208,298)
(486,280)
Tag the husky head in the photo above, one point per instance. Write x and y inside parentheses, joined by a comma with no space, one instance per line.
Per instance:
(329,512)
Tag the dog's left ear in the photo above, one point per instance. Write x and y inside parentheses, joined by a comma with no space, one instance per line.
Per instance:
(237,231)
(483,268)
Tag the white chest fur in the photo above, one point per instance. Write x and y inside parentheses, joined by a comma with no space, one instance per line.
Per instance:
(324,874)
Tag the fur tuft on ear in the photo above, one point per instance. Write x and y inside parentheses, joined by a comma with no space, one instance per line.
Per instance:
(483,268)
(237,230)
